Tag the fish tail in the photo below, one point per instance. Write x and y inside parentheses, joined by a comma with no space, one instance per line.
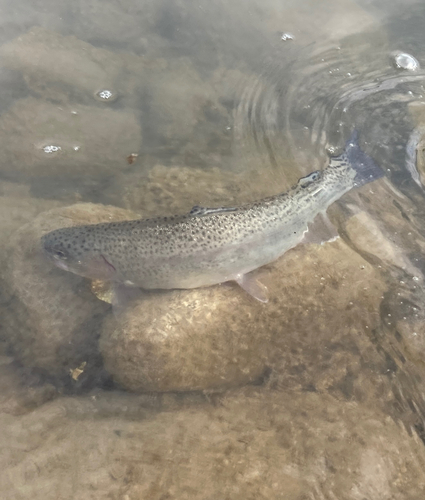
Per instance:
(365,167)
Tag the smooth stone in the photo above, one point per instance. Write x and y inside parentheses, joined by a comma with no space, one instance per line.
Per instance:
(55,66)
(254,443)
(181,340)
(51,319)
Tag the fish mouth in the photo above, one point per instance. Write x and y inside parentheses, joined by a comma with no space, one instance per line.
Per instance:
(95,268)
(60,263)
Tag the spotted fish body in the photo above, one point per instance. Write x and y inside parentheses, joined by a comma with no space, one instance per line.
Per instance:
(208,245)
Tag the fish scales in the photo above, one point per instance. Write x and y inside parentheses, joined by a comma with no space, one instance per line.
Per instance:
(208,245)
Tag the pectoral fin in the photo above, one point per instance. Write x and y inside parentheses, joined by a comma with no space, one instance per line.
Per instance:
(253,287)
(122,295)
(320,230)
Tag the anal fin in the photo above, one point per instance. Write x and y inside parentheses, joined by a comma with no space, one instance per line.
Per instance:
(320,231)
(253,287)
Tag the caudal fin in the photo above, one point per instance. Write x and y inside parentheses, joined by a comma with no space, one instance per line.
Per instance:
(366,168)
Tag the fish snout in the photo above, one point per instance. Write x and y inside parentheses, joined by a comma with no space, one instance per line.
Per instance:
(54,249)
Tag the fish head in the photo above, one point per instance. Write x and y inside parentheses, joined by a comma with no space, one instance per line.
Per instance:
(75,250)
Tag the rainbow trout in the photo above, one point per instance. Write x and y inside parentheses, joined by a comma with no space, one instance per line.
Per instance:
(208,246)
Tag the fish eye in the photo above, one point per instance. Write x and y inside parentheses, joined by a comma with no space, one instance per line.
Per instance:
(309,179)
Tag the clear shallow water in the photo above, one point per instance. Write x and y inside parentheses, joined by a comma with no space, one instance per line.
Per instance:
(154,108)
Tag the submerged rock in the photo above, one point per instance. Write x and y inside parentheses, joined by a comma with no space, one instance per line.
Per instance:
(18,207)
(178,340)
(51,319)
(254,444)
(184,110)
(40,139)
(56,66)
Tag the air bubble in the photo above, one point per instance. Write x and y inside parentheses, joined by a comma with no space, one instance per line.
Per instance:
(403,60)
(286,37)
(51,149)
(106,95)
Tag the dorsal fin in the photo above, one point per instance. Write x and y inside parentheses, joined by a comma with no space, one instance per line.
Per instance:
(198,211)
(309,179)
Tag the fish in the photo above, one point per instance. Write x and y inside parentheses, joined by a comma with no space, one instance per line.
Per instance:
(208,246)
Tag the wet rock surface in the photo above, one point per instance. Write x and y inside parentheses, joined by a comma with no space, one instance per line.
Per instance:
(253,443)
(209,338)
(52,323)
(43,140)
(18,207)
(167,101)
(56,66)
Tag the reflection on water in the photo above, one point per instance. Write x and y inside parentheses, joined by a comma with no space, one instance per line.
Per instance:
(113,110)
